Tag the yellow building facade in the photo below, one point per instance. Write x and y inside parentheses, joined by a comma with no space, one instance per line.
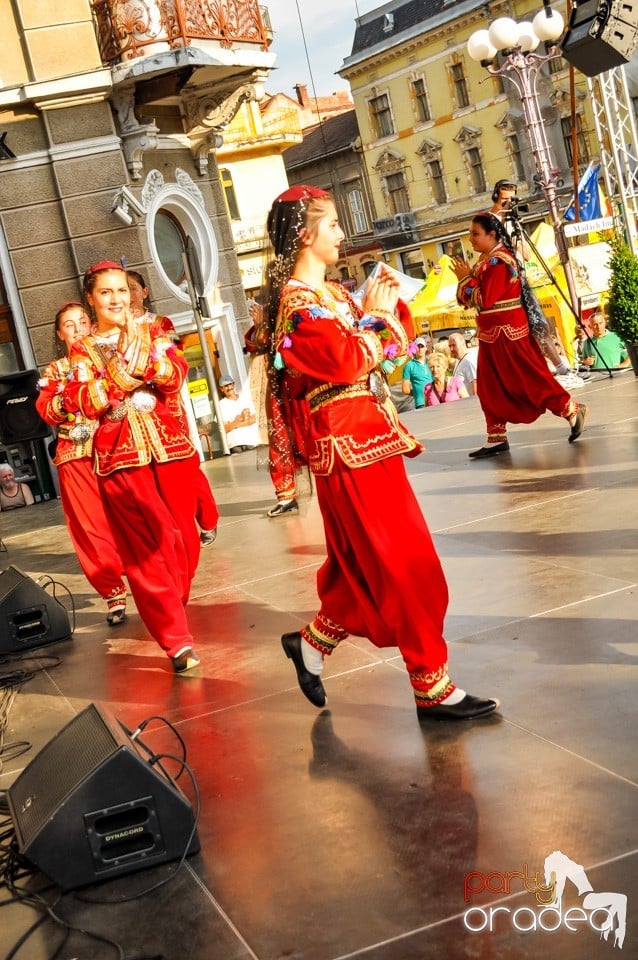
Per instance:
(252,174)
(438,131)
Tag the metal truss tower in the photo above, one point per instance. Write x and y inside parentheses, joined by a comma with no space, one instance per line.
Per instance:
(616,130)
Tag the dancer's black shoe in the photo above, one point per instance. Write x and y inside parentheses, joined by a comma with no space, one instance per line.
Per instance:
(282,507)
(469,708)
(309,683)
(491,450)
(579,422)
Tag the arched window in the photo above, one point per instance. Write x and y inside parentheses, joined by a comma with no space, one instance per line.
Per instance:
(175,211)
(170,243)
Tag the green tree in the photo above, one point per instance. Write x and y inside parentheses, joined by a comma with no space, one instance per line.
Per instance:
(622,307)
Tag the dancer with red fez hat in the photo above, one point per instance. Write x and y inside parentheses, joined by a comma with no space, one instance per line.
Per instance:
(79,491)
(124,375)
(328,352)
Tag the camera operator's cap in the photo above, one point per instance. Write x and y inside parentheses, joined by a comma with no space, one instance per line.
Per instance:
(226,381)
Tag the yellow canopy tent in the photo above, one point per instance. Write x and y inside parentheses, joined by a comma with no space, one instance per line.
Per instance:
(435,304)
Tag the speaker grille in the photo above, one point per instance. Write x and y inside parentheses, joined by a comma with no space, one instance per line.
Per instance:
(38,796)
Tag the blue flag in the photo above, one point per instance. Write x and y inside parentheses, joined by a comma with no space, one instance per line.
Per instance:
(588,196)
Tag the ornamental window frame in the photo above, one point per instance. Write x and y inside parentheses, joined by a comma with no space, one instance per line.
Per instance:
(469,141)
(513,131)
(182,201)
(431,153)
(379,129)
(392,164)
(458,80)
(421,99)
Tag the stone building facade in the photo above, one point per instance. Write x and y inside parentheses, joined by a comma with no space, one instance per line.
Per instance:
(111,114)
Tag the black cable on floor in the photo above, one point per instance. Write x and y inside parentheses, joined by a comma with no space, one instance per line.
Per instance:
(46,581)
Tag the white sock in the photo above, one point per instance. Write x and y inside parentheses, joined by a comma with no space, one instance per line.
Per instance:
(563,368)
(455,697)
(284,503)
(312,658)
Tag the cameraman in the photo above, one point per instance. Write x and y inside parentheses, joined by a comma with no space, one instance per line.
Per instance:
(505,207)
(503,194)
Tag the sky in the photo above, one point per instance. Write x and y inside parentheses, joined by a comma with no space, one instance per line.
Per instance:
(328,27)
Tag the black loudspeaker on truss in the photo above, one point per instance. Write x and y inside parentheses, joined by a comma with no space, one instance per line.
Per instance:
(601,35)
(19,418)
(29,616)
(92,806)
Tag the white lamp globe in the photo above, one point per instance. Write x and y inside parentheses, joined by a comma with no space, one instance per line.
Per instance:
(503,33)
(479,46)
(528,39)
(548,28)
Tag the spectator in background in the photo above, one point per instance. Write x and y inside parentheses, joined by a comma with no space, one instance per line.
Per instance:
(605,347)
(466,361)
(442,346)
(443,388)
(13,493)
(416,373)
(239,418)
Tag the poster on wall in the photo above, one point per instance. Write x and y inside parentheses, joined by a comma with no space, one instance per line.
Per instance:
(590,268)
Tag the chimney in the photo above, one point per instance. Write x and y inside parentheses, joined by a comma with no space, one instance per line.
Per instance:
(301,89)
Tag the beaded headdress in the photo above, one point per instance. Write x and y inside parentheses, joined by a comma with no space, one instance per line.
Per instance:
(286,218)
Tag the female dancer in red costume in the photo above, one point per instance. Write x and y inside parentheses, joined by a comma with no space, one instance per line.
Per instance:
(123,375)
(285,458)
(514,384)
(354,443)
(207,514)
(79,492)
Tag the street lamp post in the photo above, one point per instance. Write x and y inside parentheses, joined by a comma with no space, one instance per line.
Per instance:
(521,66)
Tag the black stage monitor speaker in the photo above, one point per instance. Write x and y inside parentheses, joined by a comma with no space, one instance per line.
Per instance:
(19,419)
(91,806)
(29,616)
(601,35)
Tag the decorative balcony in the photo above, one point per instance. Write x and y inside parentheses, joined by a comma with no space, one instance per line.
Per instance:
(136,28)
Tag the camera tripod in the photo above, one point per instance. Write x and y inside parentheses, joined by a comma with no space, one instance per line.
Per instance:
(520,237)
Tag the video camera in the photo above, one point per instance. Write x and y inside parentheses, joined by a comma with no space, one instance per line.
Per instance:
(515,208)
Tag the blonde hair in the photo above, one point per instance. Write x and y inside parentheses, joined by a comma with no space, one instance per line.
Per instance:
(437,359)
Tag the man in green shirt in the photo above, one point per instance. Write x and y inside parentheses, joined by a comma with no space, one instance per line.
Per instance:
(416,374)
(604,344)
